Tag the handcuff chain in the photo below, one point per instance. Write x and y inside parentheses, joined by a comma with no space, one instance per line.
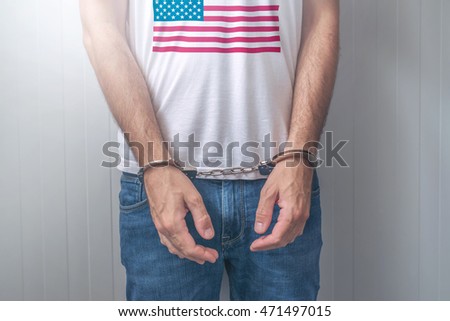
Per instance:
(228,171)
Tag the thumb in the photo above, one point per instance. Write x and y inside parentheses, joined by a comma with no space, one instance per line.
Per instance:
(201,218)
(264,212)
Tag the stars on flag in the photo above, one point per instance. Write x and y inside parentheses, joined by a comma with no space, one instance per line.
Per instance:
(178,10)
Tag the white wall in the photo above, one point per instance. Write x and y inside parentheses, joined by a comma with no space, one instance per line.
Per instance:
(386,218)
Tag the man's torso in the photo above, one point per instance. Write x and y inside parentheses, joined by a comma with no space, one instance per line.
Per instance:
(222,71)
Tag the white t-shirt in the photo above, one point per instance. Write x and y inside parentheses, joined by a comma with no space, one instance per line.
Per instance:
(221,71)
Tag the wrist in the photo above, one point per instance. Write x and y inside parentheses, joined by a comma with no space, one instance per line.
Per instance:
(158,164)
(308,145)
(298,163)
(294,157)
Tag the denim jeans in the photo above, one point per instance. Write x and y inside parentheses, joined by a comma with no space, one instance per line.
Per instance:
(289,273)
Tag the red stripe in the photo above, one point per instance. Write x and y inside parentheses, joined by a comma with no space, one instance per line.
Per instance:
(241,18)
(241,8)
(215,29)
(215,49)
(217,39)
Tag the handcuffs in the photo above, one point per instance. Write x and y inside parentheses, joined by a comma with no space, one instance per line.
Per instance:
(264,167)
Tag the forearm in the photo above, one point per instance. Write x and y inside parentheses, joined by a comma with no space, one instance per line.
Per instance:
(316,71)
(125,89)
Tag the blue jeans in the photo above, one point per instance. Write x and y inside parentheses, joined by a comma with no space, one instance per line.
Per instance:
(289,273)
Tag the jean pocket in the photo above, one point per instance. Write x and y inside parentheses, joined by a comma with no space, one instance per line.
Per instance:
(132,194)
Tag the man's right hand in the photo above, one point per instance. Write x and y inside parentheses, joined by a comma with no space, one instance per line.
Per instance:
(171,195)
(128,96)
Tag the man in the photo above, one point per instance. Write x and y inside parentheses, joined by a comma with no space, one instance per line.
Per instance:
(205,75)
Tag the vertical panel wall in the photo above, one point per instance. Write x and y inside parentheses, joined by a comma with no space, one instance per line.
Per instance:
(392,103)
(56,205)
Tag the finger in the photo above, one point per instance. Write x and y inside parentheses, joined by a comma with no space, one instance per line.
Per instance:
(170,247)
(281,235)
(183,241)
(207,254)
(264,211)
(168,237)
(187,246)
(201,218)
(290,224)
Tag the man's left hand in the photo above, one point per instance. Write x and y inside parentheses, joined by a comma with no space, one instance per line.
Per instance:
(289,186)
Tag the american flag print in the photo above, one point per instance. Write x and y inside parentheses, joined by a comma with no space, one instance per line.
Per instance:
(196,26)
